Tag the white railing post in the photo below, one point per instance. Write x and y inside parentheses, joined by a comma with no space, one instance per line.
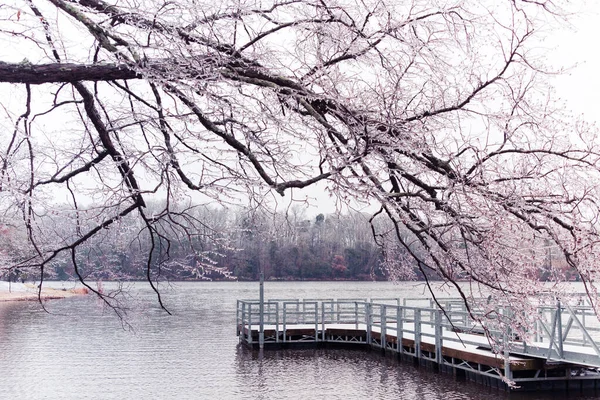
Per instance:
(316,316)
(438,336)
(507,370)
(368,320)
(383,326)
(261,317)
(559,327)
(250,323)
(244,305)
(277,322)
(399,328)
(284,322)
(417,312)
(323,321)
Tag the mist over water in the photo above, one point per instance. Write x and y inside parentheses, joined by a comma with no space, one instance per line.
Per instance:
(80,350)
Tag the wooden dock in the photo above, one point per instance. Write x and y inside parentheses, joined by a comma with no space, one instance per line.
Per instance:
(563,354)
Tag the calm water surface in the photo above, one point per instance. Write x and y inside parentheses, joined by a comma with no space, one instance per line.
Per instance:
(79,350)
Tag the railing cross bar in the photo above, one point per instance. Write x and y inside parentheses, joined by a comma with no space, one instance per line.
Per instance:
(583,330)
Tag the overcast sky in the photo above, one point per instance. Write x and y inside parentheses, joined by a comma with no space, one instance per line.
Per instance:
(580,86)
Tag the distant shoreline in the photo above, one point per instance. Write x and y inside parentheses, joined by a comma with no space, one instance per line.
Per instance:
(22,292)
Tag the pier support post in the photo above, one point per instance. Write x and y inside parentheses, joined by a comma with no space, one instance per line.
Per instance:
(507,370)
(560,338)
(243,323)
(322,321)
(369,321)
(261,320)
(399,328)
(383,327)
(250,324)
(506,342)
(417,333)
(438,337)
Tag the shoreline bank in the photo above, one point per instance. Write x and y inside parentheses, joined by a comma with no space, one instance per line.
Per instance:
(29,292)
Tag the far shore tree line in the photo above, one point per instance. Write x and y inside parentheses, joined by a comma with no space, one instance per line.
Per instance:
(230,245)
(234,244)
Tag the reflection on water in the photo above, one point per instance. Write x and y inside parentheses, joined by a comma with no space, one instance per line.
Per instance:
(79,350)
(344,374)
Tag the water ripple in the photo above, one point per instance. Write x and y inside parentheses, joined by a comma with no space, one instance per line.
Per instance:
(80,351)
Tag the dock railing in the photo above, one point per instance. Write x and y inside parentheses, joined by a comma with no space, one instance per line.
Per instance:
(567,331)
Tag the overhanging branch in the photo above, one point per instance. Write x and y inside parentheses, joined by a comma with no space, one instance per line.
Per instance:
(37,74)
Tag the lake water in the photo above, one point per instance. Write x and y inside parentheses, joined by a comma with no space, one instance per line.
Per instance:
(80,350)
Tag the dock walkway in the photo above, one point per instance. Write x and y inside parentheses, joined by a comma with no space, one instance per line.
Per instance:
(562,352)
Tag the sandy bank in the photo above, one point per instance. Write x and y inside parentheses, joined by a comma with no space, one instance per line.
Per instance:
(28,292)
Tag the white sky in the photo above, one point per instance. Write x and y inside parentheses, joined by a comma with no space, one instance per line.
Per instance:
(578,47)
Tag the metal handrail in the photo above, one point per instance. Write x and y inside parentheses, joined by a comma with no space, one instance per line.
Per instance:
(554,331)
